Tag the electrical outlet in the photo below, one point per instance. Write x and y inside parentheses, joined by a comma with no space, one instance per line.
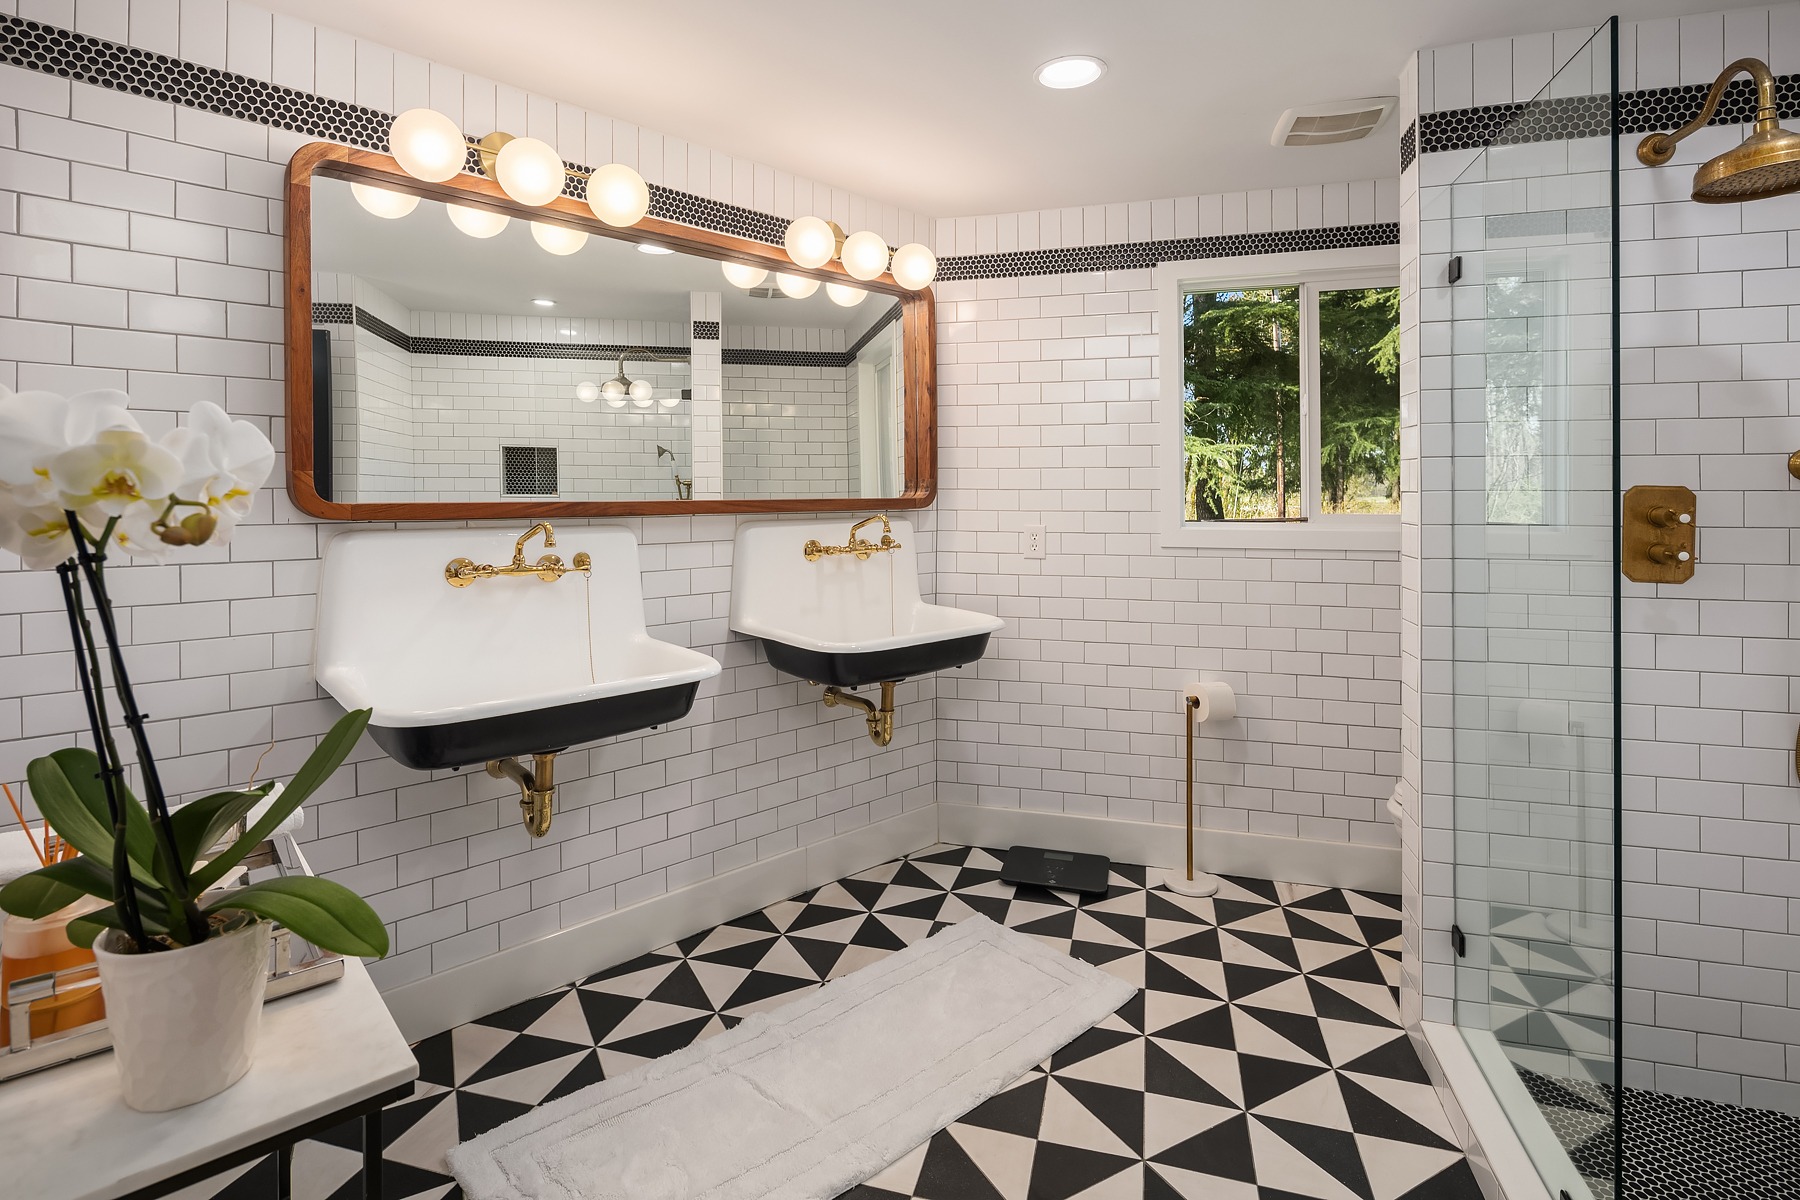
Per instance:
(1034,541)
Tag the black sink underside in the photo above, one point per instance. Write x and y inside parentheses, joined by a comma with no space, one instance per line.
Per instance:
(463,743)
(875,666)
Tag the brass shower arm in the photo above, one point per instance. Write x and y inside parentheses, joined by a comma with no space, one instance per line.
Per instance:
(1657,148)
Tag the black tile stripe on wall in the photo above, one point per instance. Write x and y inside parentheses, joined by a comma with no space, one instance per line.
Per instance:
(746,357)
(1647,110)
(86,59)
(1126,256)
(1409,146)
(362,318)
(706,331)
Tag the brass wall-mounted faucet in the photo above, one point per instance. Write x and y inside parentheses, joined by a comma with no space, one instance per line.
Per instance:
(856,545)
(461,572)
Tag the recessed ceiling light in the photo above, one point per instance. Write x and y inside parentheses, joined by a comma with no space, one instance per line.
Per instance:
(653,248)
(1071,71)
(542,303)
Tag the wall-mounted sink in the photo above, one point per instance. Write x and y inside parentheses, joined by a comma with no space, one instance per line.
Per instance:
(464,661)
(845,610)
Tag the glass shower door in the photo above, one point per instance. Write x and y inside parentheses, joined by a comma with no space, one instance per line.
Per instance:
(1534,617)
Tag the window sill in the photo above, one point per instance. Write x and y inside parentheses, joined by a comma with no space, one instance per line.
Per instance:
(1276,535)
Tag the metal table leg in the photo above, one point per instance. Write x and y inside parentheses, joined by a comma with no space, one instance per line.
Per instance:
(372,1156)
(284,1172)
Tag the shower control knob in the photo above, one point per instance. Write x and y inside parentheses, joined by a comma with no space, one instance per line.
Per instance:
(1667,554)
(1664,517)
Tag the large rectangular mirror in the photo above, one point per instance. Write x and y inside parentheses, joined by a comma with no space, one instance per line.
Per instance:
(454,354)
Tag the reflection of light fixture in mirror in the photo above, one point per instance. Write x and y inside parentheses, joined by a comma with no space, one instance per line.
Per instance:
(615,390)
(477,222)
(669,401)
(530,171)
(587,391)
(743,274)
(618,195)
(812,241)
(428,145)
(642,392)
(914,267)
(558,239)
(845,296)
(382,202)
(865,255)
(543,302)
(653,248)
(1070,71)
(795,287)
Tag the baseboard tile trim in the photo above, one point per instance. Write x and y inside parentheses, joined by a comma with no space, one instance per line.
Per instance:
(1223,852)
(474,989)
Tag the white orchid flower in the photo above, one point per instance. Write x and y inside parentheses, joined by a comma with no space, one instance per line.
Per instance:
(39,536)
(223,463)
(35,427)
(117,469)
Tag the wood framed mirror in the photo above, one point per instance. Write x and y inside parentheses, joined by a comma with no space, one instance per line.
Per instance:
(453,354)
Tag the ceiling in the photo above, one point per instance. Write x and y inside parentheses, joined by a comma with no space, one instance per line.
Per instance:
(428,265)
(932,105)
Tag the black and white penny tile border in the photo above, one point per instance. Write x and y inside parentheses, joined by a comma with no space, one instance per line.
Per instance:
(362,318)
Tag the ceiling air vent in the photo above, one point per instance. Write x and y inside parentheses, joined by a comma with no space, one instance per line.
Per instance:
(1337,121)
(767,292)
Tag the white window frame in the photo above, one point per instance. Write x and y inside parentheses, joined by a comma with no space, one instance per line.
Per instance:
(1312,271)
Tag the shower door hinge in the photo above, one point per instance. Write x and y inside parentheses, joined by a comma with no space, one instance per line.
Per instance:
(1459,941)
(1455,271)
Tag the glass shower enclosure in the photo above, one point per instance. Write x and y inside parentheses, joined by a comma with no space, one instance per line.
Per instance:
(1533,647)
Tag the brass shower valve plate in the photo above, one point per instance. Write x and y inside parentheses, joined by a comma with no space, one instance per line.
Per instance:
(1657,535)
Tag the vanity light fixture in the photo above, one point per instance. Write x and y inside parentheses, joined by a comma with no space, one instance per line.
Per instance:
(796,287)
(914,267)
(845,296)
(477,222)
(382,202)
(813,241)
(743,275)
(865,255)
(1070,71)
(429,145)
(587,391)
(558,239)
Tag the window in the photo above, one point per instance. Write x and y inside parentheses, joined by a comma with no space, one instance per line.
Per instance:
(1286,421)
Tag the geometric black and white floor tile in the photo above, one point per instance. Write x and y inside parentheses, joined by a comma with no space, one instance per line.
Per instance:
(1262,1060)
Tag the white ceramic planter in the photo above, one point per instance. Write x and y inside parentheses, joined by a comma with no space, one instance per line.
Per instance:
(184,1022)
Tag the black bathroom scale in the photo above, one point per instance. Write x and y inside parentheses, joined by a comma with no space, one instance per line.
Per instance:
(1063,870)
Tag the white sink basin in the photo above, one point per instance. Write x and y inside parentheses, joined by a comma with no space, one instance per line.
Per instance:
(843,620)
(504,666)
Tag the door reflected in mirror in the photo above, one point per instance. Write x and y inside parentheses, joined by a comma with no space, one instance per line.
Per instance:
(473,357)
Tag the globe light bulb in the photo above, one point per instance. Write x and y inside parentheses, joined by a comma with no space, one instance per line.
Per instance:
(914,266)
(742,274)
(618,195)
(428,145)
(642,391)
(795,287)
(530,171)
(383,203)
(845,296)
(614,390)
(477,222)
(587,391)
(811,241)
(865,255)
(558,239)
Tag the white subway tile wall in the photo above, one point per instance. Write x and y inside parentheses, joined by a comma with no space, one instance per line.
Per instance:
(1711,894)
(140,248)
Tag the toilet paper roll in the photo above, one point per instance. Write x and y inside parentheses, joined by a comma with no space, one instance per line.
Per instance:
(295,821)
(1214,701)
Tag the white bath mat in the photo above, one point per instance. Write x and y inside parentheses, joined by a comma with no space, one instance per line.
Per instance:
(808,1100)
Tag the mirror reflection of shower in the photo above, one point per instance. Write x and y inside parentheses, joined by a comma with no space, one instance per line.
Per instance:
(684,488)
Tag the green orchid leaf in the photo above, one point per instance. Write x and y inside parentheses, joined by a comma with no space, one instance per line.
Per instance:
(88,926)
(327,914)
(67,787)
(55,887)
(327,757)
(200,825)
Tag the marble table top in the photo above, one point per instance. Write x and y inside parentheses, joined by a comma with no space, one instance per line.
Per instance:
(65,1134)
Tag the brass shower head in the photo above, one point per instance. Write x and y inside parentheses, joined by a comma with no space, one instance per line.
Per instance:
(1767,163)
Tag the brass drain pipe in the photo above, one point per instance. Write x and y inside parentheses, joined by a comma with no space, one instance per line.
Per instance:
(537,788)
(880,720)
